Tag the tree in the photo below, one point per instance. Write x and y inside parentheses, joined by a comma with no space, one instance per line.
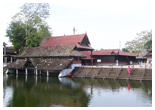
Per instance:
(30,21)
(148,45)
(16,34)
(33,15)
(125,50)
(136,45)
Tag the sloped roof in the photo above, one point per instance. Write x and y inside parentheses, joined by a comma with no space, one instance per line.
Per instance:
(51,51)
(64,40)
(149,54)
(107,52)
(87,54)
(50,63)
(113,52)
(142,53)
(9,50)
(19,63)
(67,40)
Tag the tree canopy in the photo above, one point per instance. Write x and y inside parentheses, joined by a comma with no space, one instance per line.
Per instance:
(28,27)
(142,41)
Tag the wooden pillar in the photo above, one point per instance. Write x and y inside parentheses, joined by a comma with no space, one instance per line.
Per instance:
(91,58)
(5,60)
(47,73)
(36,72)
(16,71)
(11,59)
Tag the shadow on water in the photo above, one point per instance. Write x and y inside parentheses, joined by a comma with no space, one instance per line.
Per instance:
(41,91)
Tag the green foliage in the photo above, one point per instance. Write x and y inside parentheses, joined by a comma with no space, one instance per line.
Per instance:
(136,45)
(148,45)
(125,50)
(28,27)
(16,34)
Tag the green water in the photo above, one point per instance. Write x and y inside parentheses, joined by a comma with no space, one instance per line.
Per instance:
(42,91)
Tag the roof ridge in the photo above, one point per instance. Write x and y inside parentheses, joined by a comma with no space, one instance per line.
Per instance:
(69,35)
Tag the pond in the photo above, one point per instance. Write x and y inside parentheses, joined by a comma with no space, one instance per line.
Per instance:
(42,91)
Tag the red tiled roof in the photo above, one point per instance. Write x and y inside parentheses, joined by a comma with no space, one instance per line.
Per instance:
(65,40)
(87,54)
(107,52)
(127,54)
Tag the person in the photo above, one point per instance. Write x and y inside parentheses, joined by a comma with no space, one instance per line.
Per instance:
(140,63)
(129,69)
(149,65)
(116,62)
(130,62)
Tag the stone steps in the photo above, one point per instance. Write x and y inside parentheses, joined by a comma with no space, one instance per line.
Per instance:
(111,73)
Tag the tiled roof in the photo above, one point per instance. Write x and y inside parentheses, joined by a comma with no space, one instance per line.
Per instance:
(64,40)
(9,50)
(87,54)
(19,63)
(149,54)
(108,52)
(50,63)
(67,40)
(51,51)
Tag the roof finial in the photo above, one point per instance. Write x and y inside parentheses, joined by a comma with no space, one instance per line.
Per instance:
(74,30)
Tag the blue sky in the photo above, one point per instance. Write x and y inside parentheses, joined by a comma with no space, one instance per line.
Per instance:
(107,23)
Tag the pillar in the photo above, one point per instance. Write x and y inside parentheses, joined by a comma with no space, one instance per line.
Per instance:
(5,60)
(36,72)
(11,59)
(47,73)
(26,72)
(91,58)
(40,72)
(16,71)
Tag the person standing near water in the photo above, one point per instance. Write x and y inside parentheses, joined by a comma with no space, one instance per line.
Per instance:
(140,63)
(116,62)
(129,69)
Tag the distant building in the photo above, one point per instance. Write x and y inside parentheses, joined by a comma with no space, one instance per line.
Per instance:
(8,54)
(109,56)
(141,56)
(149,56)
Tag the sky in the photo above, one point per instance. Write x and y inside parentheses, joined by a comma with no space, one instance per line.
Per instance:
(109,25)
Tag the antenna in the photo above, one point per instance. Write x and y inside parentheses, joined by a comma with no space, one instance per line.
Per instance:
(74,30)
(120,45)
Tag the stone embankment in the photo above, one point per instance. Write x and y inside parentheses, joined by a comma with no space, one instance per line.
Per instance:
(113,72)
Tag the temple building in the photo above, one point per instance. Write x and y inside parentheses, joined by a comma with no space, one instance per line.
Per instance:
(45,59)
(81,41)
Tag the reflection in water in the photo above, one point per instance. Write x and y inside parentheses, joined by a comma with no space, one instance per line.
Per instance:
(39,91)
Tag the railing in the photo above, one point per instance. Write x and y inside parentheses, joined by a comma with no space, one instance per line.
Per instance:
(144,71)
(78,71)
(118,72)
(97,72)
(88,71)
(108,72)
